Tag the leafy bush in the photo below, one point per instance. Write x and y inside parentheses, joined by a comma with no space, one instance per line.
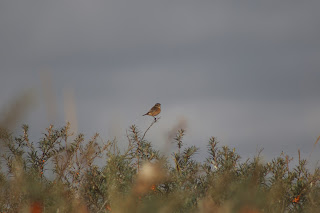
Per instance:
(63,172)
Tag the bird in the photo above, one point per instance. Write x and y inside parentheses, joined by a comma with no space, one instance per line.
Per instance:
(155,110)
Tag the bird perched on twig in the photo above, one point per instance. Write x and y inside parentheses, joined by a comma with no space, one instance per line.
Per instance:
(155,110)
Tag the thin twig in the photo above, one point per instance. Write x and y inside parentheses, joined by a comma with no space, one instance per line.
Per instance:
(103,206)
(149,128)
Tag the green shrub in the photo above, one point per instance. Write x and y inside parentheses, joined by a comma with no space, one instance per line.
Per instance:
(62,173)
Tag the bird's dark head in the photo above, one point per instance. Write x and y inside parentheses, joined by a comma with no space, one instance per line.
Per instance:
(157,105)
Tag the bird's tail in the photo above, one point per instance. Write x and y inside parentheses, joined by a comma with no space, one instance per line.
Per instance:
(145,114)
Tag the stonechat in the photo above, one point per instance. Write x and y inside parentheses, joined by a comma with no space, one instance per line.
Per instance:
(155,110)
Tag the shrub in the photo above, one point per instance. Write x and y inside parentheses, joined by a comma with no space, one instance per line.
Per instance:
(63,172)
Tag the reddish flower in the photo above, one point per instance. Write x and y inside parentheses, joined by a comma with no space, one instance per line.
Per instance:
(36,207)
(153,187)
(108,208)
(296,199)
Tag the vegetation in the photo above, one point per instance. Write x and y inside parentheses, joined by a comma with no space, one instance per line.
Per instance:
(62,173)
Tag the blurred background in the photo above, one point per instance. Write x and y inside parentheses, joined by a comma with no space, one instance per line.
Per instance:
(244,71)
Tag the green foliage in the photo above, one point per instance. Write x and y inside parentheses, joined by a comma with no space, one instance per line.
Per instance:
(63,172)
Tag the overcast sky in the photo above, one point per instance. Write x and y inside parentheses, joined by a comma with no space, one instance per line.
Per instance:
(244,71)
